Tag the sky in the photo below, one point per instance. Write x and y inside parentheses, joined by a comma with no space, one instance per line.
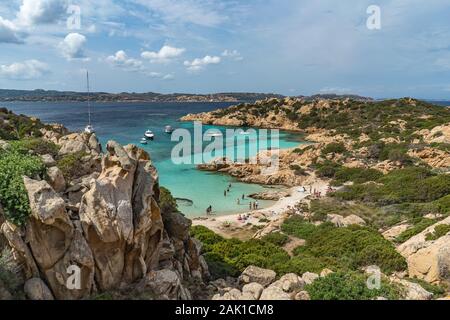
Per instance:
(377,48)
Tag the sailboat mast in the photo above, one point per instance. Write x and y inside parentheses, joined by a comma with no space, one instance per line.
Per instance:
(88,97)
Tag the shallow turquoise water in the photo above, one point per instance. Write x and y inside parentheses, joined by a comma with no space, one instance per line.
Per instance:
(126,123)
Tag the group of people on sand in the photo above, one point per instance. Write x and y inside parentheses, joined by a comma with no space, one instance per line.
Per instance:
(243,217)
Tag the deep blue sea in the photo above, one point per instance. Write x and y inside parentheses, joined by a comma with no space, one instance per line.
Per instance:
(127,122)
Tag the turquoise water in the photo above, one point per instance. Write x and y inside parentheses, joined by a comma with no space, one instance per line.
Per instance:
(126,123)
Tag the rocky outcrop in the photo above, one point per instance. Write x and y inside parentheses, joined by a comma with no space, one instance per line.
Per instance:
(439,134)
(269,195)
(433,157)
(255,274)
(340,221)
(114,238)
(260,284)
(78,142)
(428,259)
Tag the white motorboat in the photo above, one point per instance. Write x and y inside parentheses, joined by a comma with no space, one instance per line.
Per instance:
(168,129)
(143,141)
(89,128)
(149,134)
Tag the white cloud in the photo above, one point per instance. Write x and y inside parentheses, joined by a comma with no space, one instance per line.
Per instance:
(232,54)
(164,55)
(72,46)
(27,70)
(8,32)
(121,60)
(200,63)
(33,12)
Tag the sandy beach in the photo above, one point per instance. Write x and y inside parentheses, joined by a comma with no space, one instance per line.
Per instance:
(229,226)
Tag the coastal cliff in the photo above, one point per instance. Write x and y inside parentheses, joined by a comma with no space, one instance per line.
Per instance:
(96,213)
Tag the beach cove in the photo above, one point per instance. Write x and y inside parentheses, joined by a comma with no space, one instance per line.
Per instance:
(126,123)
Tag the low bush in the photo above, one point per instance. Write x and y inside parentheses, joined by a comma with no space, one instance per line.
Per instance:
(277,238)
(419,225)
(229,257)
(349,286)
(355,175)
(334,147)
(439,231)
(13,196)
(351,248)
(71,165)
(167,203)
(36,146)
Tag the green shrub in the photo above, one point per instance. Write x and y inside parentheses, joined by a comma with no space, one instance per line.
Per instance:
(333,147)
(229,257)
(71,165)
(327,169)
(36,145)
(356,175)
(298,227)
(349,286)
(277,238)
(10,273)
(13,196)
(439,231)
(420,224)
(167,202)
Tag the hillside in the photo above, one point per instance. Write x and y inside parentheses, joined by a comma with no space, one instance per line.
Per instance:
(387,165)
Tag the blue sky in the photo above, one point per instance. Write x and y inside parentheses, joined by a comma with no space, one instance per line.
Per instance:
(200,46)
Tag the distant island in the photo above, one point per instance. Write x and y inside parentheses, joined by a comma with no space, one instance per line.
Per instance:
(40,95)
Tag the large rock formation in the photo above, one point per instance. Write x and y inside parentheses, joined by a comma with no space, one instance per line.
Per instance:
(428,259)
(113,235)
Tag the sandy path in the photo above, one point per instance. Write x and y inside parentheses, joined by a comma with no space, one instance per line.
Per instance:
(229,225)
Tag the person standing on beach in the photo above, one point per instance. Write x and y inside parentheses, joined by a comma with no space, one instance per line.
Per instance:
(256,204)
(243,196)
(238,202)
(225,193)
(250,205)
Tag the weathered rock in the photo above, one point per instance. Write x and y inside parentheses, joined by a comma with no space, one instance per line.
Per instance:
(274,293)
(56,179)
(340,221)
(413,291)
(4,293)
(115,238)
(289,283)
(269,195)
(309,277)
(395,231)
(428,260)
(166,283)
(254,289)
(255,274)
(177,225)
(48,160)
(36,289)
(325,272)
(4,145)
(302,295)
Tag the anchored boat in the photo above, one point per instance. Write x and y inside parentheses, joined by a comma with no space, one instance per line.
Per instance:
(89,128)
(149,134)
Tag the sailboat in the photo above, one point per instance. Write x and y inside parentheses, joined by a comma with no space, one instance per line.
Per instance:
(89,128)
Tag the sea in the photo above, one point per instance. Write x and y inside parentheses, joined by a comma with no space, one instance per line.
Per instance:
(126,123)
